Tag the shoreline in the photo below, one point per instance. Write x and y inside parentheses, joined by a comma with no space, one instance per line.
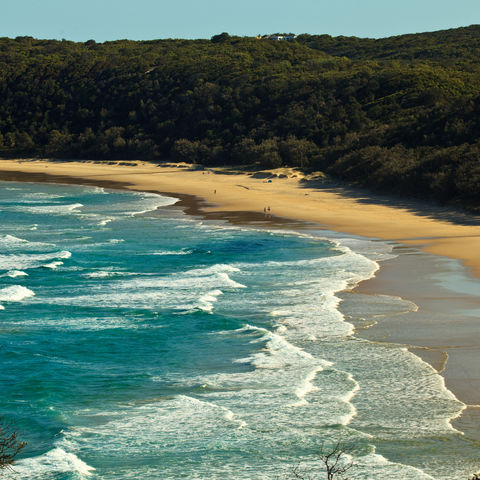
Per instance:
(436,230)
(443,331)
(452,350)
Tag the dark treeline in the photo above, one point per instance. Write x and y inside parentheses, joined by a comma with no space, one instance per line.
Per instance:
(400,114)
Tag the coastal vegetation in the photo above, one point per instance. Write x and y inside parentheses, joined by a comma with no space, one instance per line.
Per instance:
(10,446)
(399,114)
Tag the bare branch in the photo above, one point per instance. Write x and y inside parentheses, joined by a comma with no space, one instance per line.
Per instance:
(332,459)
(297,474)
(10,446)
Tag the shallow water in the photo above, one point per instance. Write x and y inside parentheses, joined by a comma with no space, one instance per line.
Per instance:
(137,342)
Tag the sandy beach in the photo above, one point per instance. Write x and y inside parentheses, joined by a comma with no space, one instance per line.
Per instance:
(436,230)
(444,331)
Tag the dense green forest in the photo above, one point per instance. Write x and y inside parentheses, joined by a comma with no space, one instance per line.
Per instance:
(399,114)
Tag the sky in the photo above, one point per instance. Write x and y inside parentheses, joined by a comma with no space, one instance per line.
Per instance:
(103,20)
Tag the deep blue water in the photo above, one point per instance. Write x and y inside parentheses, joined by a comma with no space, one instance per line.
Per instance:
(137,342)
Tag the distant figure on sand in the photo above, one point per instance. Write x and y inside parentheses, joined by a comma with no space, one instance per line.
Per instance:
(214,192)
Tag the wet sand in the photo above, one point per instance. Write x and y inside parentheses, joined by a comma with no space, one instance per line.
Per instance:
(444,331)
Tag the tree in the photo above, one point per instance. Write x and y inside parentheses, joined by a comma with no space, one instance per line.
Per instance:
(24,142)
(222,37)
(185,151)
(335,466)
(245,151)
(10,446)
(297,152)
(333,463)
(267,154)
(58,143)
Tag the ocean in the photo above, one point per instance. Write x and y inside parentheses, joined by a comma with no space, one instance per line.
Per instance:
(137,342)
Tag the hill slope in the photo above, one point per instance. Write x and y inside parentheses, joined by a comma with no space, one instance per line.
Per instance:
(400,114)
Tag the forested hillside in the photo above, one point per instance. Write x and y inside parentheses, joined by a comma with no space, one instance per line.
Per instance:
(399,114)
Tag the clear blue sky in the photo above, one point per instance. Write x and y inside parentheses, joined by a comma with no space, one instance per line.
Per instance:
(102,20)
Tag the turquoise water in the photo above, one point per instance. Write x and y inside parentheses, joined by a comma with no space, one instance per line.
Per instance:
(140,343)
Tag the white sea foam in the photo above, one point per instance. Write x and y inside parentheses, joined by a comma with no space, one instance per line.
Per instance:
(306,309)
(33,201)
(7,240)
(374,250)
(350,266)
(43,195)
(53,265)
(206,301)
(347,398)
(292,362)
(52,209)
(172,252)
(15,293)
(306,386)
(229,282)
(16,273)
(56,461)
(397,377)
(129,205)
(90,323)
(227,413)
(186,291)
(23,261)
(278,351)
(102,274)
(111,272)
(195,280)
(217,273)
(96,190)
(182,418)
(89,246)
(363,466)
(217,268)
(149,202)
(312,313)
(12,243)
(105,221)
